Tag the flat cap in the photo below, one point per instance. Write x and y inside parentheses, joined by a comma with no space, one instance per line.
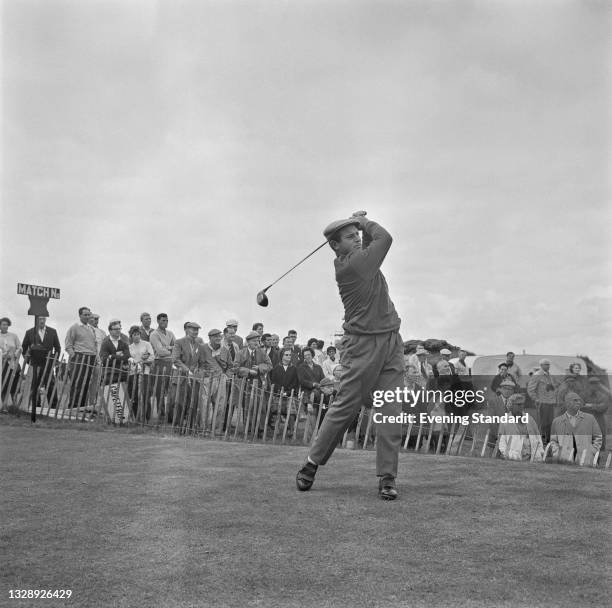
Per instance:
(214,332)
(445,351)
(420,350)
(192,324)
(544,361)
(326,382)
(339,224)
(231,323)
(252,335)
(507,383)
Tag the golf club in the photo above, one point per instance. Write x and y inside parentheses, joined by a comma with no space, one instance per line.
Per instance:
(262,298)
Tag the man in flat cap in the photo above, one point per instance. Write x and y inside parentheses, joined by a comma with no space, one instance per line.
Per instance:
(372,350)
(542,388)
(231,326)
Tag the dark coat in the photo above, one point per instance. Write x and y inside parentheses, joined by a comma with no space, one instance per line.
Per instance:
(114,360)
(285,379)
(49,346)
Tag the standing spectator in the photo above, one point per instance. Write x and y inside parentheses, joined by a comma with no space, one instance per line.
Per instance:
(293,335)
(330,362)
(232,327)
(145,327)
(141,358)
(191,359)
(573,382)
(598,400)
(41,349)
(574,430)
(502,374)
(461,366)
(266,340)
(296,351)
(445,355)
(221,360)
(420,369)
(11,351)
(519,440)
(115,354)
(82,348)
(162,340)
(284,378)
(259,328)
(310,375)
(498,404)
(513,368)
(542,388)
(276,342)
(94,319)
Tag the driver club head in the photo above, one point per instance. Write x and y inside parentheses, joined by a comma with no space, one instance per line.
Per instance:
(262,298)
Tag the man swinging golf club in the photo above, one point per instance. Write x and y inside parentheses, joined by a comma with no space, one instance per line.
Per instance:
(372,351)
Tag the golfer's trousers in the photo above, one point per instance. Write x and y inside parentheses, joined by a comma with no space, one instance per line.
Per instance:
(370,362)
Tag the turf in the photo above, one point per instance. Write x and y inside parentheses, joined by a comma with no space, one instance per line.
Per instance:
(125,519)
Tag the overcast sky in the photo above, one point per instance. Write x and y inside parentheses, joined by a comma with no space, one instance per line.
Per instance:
(179,156)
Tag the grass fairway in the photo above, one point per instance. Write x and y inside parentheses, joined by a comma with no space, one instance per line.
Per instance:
(139,520)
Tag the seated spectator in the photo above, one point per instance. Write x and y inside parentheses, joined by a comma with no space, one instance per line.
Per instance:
(284,379)
(598,400)
(330,362)
(337,376)
(573,382)
(497,404)
(518,440)
(141,359)
(11,351)
(574,433)
(326,398)
(502,375)
(310,375)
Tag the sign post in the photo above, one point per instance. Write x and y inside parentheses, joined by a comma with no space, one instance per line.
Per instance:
(39,297)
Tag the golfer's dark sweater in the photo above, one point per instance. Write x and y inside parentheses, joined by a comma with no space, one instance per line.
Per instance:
(363,289)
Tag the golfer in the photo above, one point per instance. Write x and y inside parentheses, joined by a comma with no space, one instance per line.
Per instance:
(372,351)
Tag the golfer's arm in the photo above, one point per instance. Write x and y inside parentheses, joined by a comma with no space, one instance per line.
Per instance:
(376,242)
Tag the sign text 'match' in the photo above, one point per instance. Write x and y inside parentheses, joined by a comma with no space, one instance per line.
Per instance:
(38,291)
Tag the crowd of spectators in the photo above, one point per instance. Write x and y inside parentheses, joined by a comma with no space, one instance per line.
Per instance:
(568,413)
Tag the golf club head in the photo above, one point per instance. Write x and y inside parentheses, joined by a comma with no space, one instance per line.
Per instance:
(262,298)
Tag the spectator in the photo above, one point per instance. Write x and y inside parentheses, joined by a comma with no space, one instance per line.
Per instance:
(295,351)
(574,433)
(420,370)
(141,359)
(276,342)
(94,319)
(461,366)
(513,368)
(310,375)
(284,379)
(502,375)
(42,348)
(251,362)
(598,401)
(232,327)
(573,382)
(519,440)
(82,348)
(542,388)
(269,349)
(337,372)
(221,360)
(162,340)
(318,356)
(145,327)
(11,351)
(114,355)
(259,328)
(190,358)
(324,401)
(293,335)
(445,355)
(330,362)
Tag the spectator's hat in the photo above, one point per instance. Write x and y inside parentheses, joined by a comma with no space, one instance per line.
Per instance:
(544,361)
(445,351)
(192,324)
(420,350)
(252,335)
(231,323)
(326,382)
(507,383)
(214,332)
(332,228)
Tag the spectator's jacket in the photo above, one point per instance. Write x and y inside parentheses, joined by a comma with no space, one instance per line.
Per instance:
(245,360)
(499,379)
(328,367)
(309,375)
(416,372)
(587,435)
(511,441)
(191,357)
(114,360)
(218,361)
(272,355)
(50,345)
(288,379)
(538,388)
